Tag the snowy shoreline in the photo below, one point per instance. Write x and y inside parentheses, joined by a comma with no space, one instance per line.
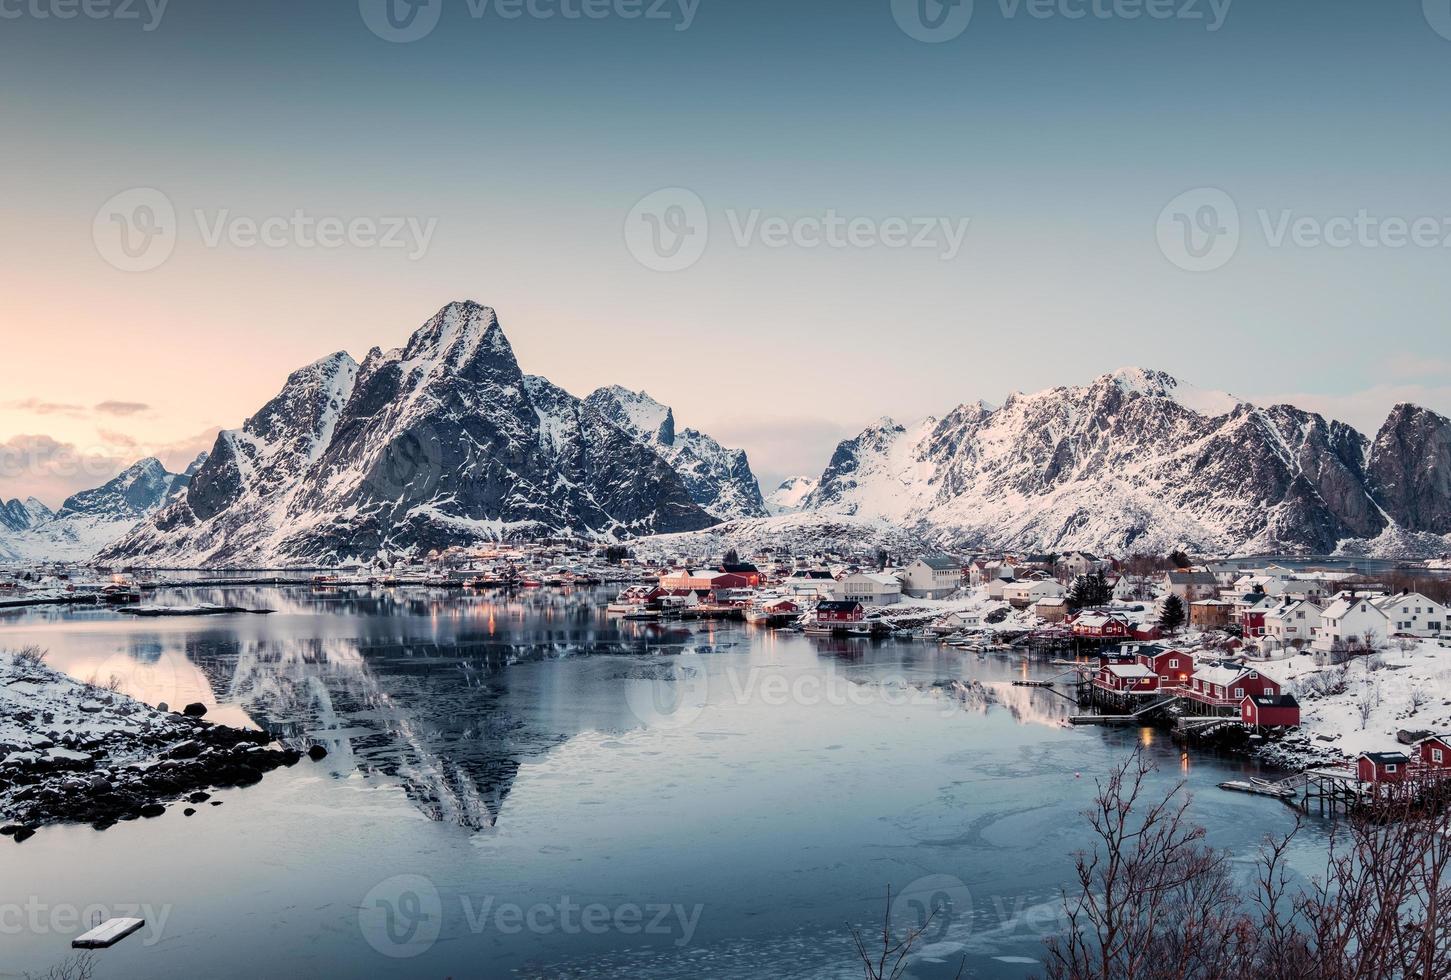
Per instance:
(72,752)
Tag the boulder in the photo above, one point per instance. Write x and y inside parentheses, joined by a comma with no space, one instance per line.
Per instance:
(195,710)
(316,753)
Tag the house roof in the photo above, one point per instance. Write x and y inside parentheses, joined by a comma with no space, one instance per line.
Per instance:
(1129,671)
(1192,578)
(1341,608)
(1221,675)
(1386,758)
(1275,700)
(838,605)
(941,563)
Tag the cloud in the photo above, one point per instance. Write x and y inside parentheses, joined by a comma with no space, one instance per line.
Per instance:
(37,407)
(44,467)
(121,408)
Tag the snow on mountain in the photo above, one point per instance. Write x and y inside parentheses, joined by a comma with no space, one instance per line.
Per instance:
(21,515)
(91,519)
(441,442)
(785,534)
(790,495)
(719,479)
(1136,461)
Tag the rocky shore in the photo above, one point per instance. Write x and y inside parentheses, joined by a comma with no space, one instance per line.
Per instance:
(72,752)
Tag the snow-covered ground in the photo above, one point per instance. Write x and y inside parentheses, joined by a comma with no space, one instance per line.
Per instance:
(77,752)
(1361,705)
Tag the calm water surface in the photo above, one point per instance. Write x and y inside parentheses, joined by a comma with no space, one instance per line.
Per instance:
(526,787)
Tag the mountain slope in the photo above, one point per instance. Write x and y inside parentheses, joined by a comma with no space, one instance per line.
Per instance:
(1136,461)
(441,442)
(790,495)
(92,519)
(719,479)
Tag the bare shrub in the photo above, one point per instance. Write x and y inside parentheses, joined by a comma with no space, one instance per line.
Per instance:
(82,966)
(30,656)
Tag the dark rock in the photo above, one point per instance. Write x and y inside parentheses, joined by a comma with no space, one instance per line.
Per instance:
(188,812)
(316,753)
(195,710)
(152,810)
(22,834)
(199,797)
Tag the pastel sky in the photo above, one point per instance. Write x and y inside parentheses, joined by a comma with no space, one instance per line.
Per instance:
(522,144)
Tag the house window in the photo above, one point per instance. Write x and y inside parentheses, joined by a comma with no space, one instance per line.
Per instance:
(1239,692)
(1437,755)
(1174,663)
(1390,767)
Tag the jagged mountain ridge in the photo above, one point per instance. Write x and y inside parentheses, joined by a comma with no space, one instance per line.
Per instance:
(444,441)
(719,479)
(91,519)
(1139,461)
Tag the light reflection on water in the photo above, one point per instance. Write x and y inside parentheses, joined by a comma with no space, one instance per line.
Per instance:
(495,748)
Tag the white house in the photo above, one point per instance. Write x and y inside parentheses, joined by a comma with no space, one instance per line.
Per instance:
(935,577)
(1191,586)
(1024,594)
(1348,621)
(1081,562)
(996,587)
(1291,620)
(807,582)
(1413,613)
(869,588)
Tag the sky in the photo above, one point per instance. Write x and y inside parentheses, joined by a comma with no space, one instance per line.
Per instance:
(785,218)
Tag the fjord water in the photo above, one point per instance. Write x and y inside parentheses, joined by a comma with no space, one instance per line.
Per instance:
(522,785)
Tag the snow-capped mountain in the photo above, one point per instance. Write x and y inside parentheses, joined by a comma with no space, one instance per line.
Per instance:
(789,497)
(719,479)
(92,519)
(1139,461)
(441,442)
(21,515)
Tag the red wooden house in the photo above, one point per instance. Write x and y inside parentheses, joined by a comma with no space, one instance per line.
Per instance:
(1127,678)
(1174,667)
(1222,685)
(1270,711)
(839,611)
(1382,767)
(1435,752)
(1102,626)
(1146,632)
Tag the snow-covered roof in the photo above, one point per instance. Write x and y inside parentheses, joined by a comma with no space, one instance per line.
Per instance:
(1221,675)
(1130,671)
